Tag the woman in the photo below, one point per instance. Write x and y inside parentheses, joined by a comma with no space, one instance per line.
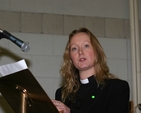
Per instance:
(88,85)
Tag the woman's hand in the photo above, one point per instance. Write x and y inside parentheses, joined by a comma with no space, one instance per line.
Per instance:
(62,108)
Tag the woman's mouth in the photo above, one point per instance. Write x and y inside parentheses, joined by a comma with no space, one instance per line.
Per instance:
(82,59)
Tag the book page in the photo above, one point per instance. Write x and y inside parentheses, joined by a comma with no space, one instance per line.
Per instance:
(13,67)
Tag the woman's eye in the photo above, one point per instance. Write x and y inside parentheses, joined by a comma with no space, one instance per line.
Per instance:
(73,49)
(86,46)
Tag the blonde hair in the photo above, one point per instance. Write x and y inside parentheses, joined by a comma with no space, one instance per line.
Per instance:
(70,74)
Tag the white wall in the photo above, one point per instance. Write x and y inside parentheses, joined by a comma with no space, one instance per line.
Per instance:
(45,55)
(96,8)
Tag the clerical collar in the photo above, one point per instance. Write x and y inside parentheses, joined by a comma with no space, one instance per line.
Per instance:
(84,81)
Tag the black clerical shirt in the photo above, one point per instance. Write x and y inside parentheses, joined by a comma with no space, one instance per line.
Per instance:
(112,97)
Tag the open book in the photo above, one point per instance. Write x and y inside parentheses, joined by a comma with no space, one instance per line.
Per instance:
(22,91)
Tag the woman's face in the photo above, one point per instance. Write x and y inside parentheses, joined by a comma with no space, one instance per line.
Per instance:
(81,52)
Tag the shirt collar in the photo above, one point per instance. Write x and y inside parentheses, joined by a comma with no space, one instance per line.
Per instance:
(84,81)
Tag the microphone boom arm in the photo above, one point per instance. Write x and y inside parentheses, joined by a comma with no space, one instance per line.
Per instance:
(23,45)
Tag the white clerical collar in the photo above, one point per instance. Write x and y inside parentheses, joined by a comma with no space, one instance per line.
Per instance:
(84,81)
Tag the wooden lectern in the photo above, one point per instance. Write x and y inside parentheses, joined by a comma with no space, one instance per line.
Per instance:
(24,94)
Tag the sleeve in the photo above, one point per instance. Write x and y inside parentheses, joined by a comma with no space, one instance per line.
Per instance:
(119,102)
(76,111)
(58,97)
(58,94)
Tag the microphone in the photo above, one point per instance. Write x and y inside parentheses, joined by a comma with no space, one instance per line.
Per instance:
(23,45)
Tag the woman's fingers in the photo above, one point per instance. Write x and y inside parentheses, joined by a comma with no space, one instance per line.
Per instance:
(61,107)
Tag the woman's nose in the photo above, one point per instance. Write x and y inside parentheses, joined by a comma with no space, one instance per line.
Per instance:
(80,51)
